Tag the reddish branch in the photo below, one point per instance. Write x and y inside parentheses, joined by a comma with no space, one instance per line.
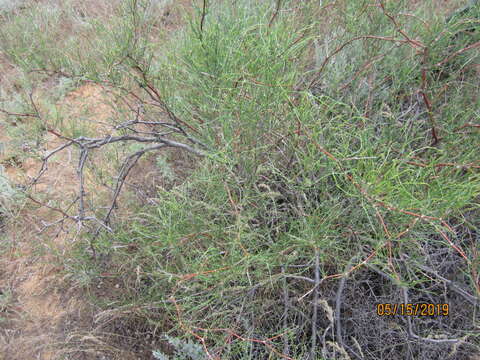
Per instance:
(18,114)
(459,166)
(377,202)
(275,13)
(430,116)
(468,125)
(414,43)
(456,53)
(265,342)
(341,47)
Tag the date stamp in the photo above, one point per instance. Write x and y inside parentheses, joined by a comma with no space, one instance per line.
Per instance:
(422,309)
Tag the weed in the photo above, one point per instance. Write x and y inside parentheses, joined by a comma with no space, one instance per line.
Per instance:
(184,351)
(9,197)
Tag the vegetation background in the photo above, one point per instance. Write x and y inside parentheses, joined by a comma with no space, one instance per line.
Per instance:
(239,180)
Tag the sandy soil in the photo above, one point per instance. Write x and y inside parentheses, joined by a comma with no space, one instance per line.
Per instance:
(42,303)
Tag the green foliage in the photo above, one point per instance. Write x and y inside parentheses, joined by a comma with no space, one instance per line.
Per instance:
(338,133)
(267,198)
(9,196)
(183,351)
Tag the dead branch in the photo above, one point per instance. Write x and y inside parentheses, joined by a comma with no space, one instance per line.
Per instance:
(275,13)
(133,131)
(412,335)
(336,276)
(456,288)
(315,305)
(81,191)
(338,308)
(286,302)
(459,52)
(87,144)
(298,277)
(126,167)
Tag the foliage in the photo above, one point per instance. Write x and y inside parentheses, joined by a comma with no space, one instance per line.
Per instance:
(184,350)
(340,172)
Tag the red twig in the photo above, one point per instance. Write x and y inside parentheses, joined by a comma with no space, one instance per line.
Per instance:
(275,14)
(191,276)
(187,329)
(428,104)
(468,125)
(465,166)
(414,43)
(456,53)
(341,47)
(389,243)
(390,207)
(264,342)
(18,114)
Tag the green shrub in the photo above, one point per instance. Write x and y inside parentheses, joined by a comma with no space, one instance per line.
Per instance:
(336,150)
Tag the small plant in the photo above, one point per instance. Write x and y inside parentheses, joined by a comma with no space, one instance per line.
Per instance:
(6,297)
(165,169)
(8,196)
(184,350)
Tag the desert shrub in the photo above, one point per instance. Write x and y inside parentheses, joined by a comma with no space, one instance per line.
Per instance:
(339,174)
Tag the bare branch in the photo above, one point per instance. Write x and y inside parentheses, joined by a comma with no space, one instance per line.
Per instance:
(298,277)
(286,302)
(415,336)
(315,305)
(81,178)
(127,166)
